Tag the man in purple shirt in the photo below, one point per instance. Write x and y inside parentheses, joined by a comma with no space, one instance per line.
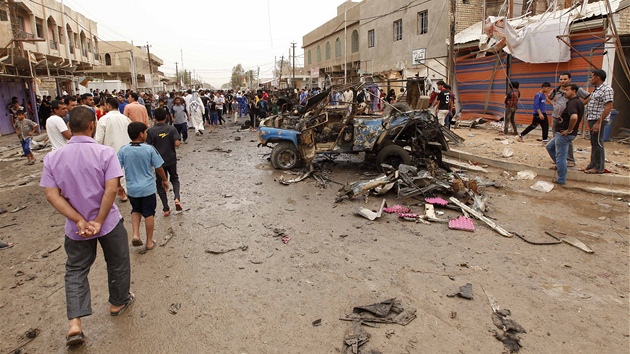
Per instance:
(81,181)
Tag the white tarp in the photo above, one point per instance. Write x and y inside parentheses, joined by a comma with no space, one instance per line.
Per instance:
(535,42)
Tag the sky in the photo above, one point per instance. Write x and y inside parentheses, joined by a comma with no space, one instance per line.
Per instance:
(211,36)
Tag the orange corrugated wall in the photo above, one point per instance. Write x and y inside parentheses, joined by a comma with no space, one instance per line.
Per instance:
(474,77)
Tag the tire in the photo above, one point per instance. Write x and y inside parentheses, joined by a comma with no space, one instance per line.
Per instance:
(393,155)
(403,107)
(284,156)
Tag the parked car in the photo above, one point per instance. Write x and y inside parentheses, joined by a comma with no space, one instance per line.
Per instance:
(392,138)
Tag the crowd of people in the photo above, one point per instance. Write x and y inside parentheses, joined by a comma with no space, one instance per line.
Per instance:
(570,103)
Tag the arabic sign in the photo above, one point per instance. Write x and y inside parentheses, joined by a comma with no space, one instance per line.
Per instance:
(418,56)
(315,73)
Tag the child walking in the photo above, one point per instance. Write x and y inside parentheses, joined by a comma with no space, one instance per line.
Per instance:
(25,128)
(540,114)
(138,161)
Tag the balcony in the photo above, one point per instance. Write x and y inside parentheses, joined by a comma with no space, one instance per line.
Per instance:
(21,35)
(71,49)
(53,44)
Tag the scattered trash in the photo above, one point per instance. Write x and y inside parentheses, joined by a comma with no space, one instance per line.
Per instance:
(174,308)
(389,333)
(508,330)
(372,215)
(169,236)
(286,239)
(388,311)
(429,214)
(220,149)
(525,175)
(317,322)
(237,138)
(436,201)
(397,209)
(542,186)
(354,338)
(18,209)
(465,292)
(461,223)
(222,251)
(408,216)
(507,152)
(2,211)
(575,242)
(480,216)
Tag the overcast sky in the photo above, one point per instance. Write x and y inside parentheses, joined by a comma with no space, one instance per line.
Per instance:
(213,35)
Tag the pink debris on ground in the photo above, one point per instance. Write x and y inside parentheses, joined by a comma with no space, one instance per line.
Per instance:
(286,239)
(436,201)
(408,216)
(397,209)
(461,223)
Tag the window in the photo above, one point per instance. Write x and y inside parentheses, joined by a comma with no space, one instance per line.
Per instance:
(398,30)
(60,34)
(308,56)
(20,20)
(423,22)
(371,38)
(319,54)
(39,28)
(327,50)
(337,47)
(355,41)
(3,15)
(108,59)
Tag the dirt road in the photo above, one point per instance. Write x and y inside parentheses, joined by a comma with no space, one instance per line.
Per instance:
(263,296)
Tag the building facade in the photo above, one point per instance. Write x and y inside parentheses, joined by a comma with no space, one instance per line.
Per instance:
(45,49)
(391,41)
(129,64)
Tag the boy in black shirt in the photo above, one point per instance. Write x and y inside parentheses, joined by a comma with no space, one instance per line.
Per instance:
(165,139)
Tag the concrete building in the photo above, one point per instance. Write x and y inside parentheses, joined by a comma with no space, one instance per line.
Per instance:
(129,64)
(385,41)
(39,41)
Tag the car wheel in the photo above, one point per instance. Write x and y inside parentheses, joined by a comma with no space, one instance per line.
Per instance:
(392,155)
(284,156)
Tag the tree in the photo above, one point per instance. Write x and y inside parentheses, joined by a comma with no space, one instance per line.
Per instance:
(237,76)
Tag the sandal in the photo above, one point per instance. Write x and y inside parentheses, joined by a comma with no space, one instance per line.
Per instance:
(554,167)
(166,213)
(5,245)
(75,339)
(593,172)
(147,248)
(136,242)
(132,297)
(178,205)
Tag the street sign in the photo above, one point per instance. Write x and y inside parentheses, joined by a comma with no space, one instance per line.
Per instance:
(418,56)
(315,72)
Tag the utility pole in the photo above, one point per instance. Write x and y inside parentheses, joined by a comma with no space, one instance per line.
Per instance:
(345,44)
(181,53)
(150,69)
(134,77)
(293,79)
(280,76)
(451,47)
(258,76)
(176,76)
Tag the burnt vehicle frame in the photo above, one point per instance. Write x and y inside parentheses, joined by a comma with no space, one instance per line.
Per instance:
(316,128)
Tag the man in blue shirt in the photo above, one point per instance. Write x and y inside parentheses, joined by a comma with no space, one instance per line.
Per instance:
(138,161)
(121,103)
(540,115)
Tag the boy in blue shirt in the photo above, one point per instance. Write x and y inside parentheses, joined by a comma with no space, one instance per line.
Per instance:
(540,115)
(138,161)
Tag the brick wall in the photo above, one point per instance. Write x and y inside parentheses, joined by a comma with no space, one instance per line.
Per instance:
(623,23)
(467,14)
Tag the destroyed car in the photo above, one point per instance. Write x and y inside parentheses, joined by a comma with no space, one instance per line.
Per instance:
(393,138)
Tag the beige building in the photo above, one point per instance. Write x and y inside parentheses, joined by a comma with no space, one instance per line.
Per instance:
(130,65)
(38,41)
(390,40)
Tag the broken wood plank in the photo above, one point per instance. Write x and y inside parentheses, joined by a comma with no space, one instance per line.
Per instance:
(480,216)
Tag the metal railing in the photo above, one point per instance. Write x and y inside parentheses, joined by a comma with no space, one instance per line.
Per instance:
(24,35)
